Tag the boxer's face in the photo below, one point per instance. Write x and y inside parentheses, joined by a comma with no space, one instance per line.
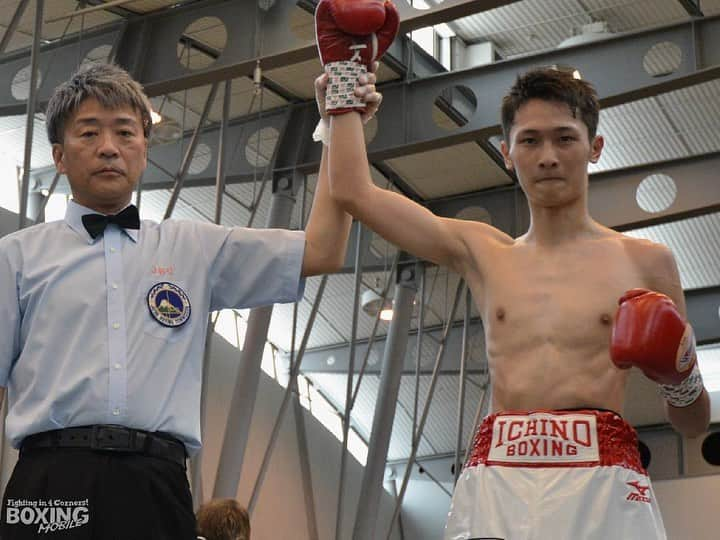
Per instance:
(103,154)
(549,150)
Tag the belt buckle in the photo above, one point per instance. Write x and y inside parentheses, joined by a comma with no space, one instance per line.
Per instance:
(114,445)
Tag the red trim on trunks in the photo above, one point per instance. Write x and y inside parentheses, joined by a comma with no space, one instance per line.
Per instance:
(616,440)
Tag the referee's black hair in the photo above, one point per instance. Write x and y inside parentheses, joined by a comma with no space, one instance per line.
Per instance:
(111,85)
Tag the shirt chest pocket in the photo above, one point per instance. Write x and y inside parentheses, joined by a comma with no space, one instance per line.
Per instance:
(168,311)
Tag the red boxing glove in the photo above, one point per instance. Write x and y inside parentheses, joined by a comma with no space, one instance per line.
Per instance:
(351,35)
(649,333)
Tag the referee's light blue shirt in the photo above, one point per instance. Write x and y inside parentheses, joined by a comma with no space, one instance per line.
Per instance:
(78,343)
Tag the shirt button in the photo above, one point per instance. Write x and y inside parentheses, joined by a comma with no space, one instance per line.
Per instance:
(117,366)
(116,325)
(114,286)
(112,250)
(116,412)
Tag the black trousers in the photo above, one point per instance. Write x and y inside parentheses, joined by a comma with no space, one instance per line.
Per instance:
(83,494)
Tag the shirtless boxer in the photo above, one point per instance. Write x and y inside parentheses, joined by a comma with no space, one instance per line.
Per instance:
(553,460)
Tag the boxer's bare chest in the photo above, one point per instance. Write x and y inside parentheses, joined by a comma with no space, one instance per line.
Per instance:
(552,294)
(548,316)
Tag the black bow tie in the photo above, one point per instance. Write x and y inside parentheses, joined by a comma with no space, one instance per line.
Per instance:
(96,223)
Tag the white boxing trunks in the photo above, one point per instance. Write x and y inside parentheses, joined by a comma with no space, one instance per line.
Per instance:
(554,475)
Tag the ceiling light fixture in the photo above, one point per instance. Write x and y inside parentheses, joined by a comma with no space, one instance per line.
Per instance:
(156,117)
(372,303)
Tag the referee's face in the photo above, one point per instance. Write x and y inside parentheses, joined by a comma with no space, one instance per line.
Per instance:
(103,154)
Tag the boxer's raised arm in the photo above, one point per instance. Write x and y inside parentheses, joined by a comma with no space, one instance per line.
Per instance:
(327,230)
(396,218)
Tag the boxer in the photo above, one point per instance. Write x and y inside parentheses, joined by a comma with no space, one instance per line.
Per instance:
(554,459)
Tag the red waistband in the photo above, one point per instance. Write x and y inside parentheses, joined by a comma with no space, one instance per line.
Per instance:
(544,438)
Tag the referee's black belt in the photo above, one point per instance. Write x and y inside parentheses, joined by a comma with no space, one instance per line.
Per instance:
(110,438)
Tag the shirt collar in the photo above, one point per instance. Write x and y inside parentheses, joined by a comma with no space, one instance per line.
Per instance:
(73,217)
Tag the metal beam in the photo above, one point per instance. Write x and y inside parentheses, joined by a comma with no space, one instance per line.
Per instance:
(461,286)
(120,11)
(161,72)
(418,345)
(243,400)
(349,386)
(55,61)
(197,478)
(612,197)
(612,194)
(461,390)
(155,35)
(387,398)
(305,467)
(223,145)
(240,132)
(316,359)
(281,47)
(242,404)
(692,7)
(30,112)
(406,125)
(190,152)
(85,11)
(291,392)
(613,65)
(394,139)
(12,26)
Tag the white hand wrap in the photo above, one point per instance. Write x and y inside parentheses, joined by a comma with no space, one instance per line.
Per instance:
(342,81)
(685,393)
(322,132)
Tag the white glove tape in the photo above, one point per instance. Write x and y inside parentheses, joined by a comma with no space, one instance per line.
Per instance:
(342,81)
(685,393)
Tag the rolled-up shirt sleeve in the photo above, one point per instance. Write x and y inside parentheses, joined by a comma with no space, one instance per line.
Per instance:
(255,267)
(9,315)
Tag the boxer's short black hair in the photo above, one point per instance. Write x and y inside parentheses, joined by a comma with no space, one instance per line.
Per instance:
(111,85)
(552,84)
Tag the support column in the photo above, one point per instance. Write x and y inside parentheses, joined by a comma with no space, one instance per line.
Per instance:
(347,415)
(392,366)
(36,207)
(461,390)
(426,408)
(237,429)
(289,391)
(190,152)
(305,468)
(196,464)
(391,487)
(39,215)
(10,30)
(31,107)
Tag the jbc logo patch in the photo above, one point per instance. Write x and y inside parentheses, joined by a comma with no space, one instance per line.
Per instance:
(169,304)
